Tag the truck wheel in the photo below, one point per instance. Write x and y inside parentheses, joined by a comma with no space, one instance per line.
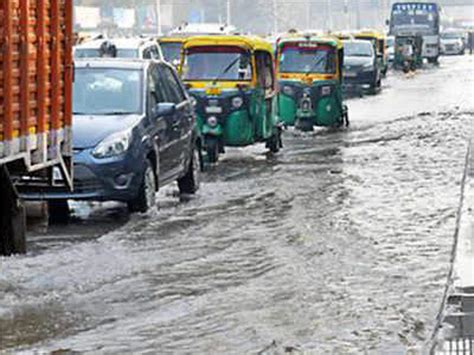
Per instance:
(12,218)
(190,182)
(212,149)
(146,197)
(58,211)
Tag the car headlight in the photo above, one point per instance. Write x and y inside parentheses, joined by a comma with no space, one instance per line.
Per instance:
(212,121)
(114,145)
(287,90)
(237,102)
(368,67)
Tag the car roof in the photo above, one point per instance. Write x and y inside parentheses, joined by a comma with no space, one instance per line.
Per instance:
(119,63)
(120,43)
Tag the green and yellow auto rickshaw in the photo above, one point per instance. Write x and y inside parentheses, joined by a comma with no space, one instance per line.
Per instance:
(310,82)
(233,83)
(171,47)
(408,52)
(379,41)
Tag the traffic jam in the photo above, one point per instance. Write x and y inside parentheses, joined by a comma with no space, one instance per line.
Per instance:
(215,189)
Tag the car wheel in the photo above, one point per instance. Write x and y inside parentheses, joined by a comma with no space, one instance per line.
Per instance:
(146,197)
(212,149)
(190,182)
(58,211)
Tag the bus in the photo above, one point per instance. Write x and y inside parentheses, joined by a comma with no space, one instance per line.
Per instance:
(418,19)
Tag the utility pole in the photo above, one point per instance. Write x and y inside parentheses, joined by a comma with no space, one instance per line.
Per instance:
(347,16)
(308,14)
(228,13)
(158,16)
(329,20)
(275,16)
(357,3)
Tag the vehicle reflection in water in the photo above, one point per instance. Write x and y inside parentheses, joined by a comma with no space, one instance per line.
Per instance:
(88,221)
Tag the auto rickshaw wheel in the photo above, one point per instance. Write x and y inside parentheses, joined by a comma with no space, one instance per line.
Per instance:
(274,143)
(212,149)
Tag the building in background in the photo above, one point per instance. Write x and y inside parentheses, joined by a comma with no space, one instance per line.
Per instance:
(256,16)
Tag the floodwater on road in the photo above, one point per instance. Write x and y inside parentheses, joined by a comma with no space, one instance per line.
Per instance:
(338,244)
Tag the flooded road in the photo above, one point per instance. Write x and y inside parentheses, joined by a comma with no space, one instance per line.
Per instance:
(339,244)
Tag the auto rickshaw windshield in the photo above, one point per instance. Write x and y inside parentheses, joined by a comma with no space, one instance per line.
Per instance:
(224,63)
(302,58)
(358,49)
(171,51)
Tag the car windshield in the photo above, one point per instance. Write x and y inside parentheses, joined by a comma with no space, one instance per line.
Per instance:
(217,63)
(451,36)
(171,51)
(95,53)
(104,91)
(358,49)
(307,58)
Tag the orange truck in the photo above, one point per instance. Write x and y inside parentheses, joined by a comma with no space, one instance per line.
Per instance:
(36,74)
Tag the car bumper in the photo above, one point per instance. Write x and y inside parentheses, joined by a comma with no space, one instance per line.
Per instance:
(360,79)
(452,51)
(113,179)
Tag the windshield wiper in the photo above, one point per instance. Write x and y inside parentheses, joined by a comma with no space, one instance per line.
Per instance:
(226,69)
(315,65)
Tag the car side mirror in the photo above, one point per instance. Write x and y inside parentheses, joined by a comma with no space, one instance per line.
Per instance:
(164,109)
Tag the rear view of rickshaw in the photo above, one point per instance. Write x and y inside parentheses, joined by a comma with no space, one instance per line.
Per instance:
(310,80)
(379,41)
(233,83)
(408,53)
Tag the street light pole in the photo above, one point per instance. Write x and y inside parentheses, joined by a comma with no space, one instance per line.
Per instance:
(275,17)
(158,16)
(329,20)
(228,13)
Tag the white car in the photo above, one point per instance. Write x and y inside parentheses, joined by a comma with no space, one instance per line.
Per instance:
(140,48)
(452,43)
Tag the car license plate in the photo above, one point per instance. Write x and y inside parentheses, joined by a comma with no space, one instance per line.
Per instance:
(350,75)
(213,109)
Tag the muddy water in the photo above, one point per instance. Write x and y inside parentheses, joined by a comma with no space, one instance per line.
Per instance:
(340,244)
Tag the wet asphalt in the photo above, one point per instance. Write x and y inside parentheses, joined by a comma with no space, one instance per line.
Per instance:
(339,244)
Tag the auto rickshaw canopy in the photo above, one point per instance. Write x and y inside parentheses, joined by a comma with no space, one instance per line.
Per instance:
(251,43)
(370,33)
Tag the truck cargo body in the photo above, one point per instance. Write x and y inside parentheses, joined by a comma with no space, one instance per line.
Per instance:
(36,38)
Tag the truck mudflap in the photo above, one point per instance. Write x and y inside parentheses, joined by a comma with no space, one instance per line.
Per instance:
(12,217)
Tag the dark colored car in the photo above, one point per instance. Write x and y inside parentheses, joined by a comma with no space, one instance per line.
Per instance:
(134,131)
(361,68)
